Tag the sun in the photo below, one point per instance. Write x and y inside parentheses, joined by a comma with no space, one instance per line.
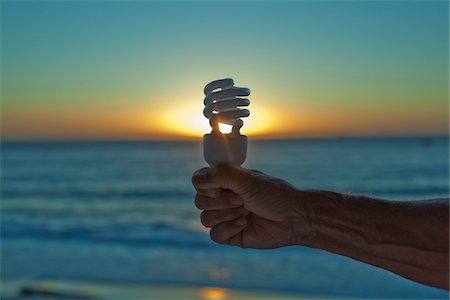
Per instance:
(186,119)
(225,128)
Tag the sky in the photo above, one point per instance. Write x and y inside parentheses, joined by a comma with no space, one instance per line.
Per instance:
(136,69)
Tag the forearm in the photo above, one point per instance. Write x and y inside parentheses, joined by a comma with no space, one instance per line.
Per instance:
(409,238)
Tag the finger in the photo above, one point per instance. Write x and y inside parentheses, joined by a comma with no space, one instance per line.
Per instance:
(198,177)
(227,199)
(227,233)
(210,218)
(221,176)
(211,193)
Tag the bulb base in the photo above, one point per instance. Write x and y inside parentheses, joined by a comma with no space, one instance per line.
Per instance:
(221,148)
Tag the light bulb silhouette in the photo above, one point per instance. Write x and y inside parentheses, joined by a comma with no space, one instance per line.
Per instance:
(223,102)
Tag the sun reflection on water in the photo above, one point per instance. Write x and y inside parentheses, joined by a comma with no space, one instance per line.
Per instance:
(214,294)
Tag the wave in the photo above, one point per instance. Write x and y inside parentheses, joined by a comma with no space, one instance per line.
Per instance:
(153,234)
(75,193)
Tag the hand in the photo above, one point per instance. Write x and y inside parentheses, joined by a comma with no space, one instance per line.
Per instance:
(247,208)
(250,209)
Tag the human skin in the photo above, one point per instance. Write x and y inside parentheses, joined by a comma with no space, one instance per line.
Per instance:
(250,209)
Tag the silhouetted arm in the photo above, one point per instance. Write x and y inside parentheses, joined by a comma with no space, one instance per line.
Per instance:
(410,238)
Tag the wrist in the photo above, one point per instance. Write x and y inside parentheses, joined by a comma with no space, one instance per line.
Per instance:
(304,218)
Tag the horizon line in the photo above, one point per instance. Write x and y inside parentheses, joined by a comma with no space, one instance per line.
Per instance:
(257,138)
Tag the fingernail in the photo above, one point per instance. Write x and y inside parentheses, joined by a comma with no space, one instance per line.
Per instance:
(201,171)
(241,221)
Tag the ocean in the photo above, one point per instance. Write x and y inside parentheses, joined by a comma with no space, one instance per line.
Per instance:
(123,212)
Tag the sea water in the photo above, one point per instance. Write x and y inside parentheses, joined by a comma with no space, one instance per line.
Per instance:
(123,212)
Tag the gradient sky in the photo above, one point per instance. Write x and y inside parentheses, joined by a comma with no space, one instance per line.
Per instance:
(136,69)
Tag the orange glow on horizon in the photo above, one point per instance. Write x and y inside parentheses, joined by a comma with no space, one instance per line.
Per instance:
(185,119)
(170,120)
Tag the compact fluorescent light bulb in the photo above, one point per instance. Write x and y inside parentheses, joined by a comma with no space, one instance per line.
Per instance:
(223,102)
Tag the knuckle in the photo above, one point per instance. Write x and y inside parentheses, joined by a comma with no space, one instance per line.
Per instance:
(198,201)
(195,180)
(216,235)
(205,219)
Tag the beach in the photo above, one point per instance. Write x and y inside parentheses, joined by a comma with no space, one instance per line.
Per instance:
(15,290)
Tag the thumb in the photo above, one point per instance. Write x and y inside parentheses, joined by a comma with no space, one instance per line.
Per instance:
(221,176)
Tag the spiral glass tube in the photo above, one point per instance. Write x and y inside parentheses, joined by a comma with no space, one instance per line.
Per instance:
(223,102)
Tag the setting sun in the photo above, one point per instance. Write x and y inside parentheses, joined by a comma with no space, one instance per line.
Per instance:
(186,119)
(225,128)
